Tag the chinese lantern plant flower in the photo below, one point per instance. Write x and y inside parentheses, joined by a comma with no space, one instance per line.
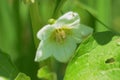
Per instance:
(60,39)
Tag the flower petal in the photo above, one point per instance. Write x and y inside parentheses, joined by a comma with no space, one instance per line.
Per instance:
(44,51)
(45,32)
(64,51)
(81,31)
(67,18)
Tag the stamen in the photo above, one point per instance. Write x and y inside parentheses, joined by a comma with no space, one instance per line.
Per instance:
(60,35)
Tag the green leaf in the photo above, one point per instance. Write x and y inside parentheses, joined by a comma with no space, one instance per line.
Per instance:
(97,58)
(104,14)
(45,73)
(22,76)
(112,74)
(35,20)
(7,68)
(8,33)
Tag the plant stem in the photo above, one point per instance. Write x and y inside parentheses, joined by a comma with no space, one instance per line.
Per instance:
(59,4)
(103,11)
(35,19)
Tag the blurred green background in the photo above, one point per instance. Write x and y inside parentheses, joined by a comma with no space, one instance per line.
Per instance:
(20,20)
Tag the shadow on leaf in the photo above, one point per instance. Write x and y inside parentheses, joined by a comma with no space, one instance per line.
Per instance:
(103,38)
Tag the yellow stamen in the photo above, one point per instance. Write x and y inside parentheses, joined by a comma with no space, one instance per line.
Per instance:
(60,35)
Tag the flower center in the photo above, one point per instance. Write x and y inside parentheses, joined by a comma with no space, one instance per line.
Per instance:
(60,35)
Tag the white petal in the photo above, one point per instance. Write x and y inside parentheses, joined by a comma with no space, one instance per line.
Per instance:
(44,51)
(45,32)
(64,51)
(68,18)
(80,32)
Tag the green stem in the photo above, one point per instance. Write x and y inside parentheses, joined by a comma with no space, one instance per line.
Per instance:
(59,4)
(103,12)
(35,19)
(54,64)
(36,23)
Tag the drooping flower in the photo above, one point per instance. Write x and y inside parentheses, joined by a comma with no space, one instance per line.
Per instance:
(60,39)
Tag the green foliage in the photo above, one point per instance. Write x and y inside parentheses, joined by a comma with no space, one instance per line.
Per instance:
(7,68)
(45,73)
(7,29)
(96,59)
(35,20)
(103,9)
(22,76)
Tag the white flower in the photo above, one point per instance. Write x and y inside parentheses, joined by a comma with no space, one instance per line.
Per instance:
(61,38)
